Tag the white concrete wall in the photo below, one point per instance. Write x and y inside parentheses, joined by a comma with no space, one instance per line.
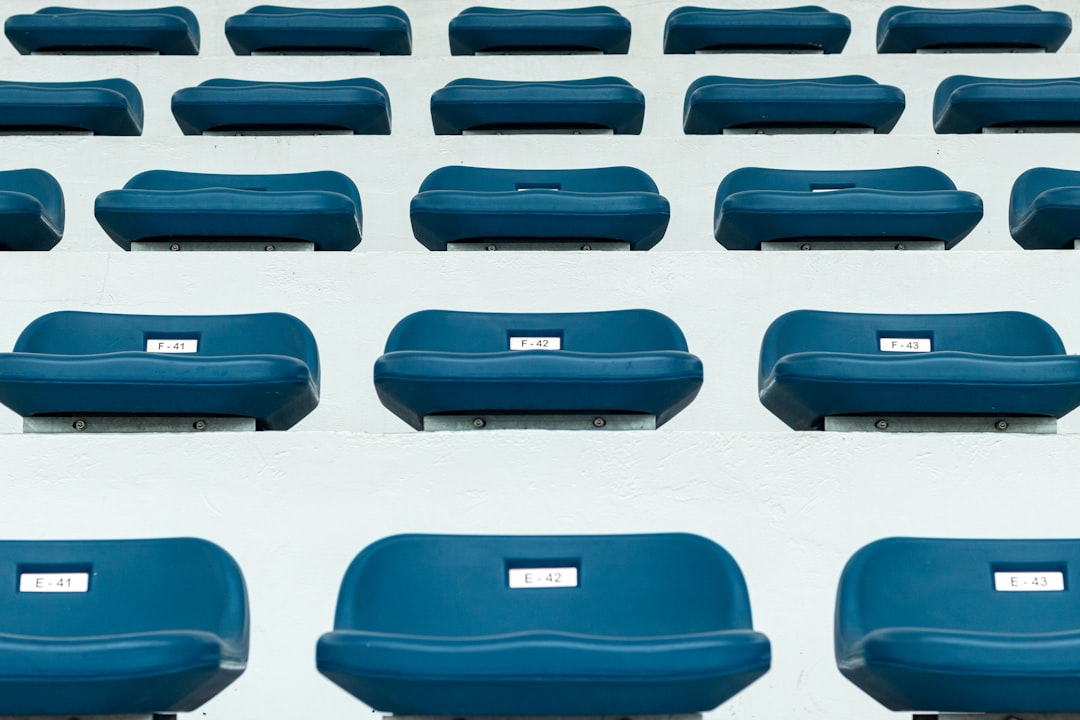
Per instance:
(295,507)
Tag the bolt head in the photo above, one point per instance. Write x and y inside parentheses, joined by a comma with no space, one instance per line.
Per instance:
(882,424)
(491,247)
(269,248)
(805,246)
(199,425)
(79,424)
(599,422)
(1001,425)
(174,247)
(479,422)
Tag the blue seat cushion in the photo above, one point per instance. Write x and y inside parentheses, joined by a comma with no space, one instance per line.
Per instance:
(168,31)
(322,208)
(808,27)
(269,28)
(595,103)
(1044,209)
(816,364)
(484,29)
(103,107)
(715,103)
(755,206)
(543,672)
(966,104)
(31,210)
(174,671)
(904,29)
(458,204)
(360,105)
(258,366)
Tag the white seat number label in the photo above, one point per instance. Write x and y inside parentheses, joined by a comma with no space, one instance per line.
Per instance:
(54,582)
(1029,581)
(163,345)
(557,577)
(536,343)
(904,344)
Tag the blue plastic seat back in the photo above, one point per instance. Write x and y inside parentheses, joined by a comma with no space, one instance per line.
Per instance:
(135,586)
(271,28)
(689,29)
(1004,102)
(949,585)
(457,586)
(28,32)
(905,29)
(40,185)
(1008,334)
(1033,183)
(131,124)
(617,331)
(86,333)
(484,29)
(720,80)
(611,179)
(325,181)
(906,179)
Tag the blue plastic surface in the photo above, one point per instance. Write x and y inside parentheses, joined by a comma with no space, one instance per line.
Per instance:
(103,107)
(624,361)
(163,627)
(919,626)
(467,204)
(804,28)
(715,103)
(966,104)
(903,29)
(1044,209)
(758,205)
(595,103)
(361,105)
(588,29)
(816,364)
(31,210)
(428,625)
(320,207)
(167,31)
(271,28)
(263,366)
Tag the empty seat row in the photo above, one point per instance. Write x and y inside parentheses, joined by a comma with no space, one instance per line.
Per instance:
(385,30)
(448,625)
(462,208)
(712,105)
(624,369)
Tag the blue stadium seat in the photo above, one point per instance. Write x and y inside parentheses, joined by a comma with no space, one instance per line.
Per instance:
(609,103)
(118,627)
(359,105)
(439,362)
(714,104)
(459,204)
(166,31)
(904,29)
(382,30)
(528,626)
(807,28)
(31,210)
(757,205)
(971,626)
(322,208)
(599,29)
(263,366)
(822,364)
(966,104)
(100,107)
(1044,209)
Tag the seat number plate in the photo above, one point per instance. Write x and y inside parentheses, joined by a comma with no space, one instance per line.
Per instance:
(170,345)
(54,582)
(1029,581)
(536,343)
(906,345)
(553,577)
